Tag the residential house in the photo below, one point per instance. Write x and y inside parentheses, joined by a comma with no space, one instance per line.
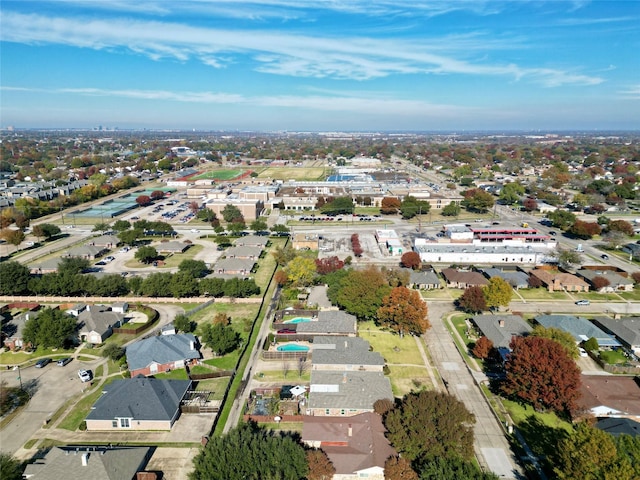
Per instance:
(162,353)
(330,322)
(616,281)
(252,253)
(580,328)
(96,323)
(500,329)
(251,241)
(516,278)
(106,241)
(463,279)
(340,353)
(556,280)
(172,247)
(12,330)
(626,330)
(46,266)
(77,309)
(610,396)
(423,280)
(90,252)
(347,393)
(138,403)
(234,266)
(357,446)
(95,463)
(618,426)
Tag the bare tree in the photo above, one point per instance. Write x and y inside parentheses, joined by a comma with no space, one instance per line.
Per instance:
(286,368)
(302,366)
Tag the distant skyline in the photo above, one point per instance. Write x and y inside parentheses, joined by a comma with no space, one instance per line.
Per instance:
(326,65)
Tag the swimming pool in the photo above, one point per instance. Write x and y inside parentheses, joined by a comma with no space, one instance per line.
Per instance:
(292,347)
(298,320)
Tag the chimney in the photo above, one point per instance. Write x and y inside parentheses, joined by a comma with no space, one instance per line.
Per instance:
(192,345)
(350,431)
(85,459)
(501,323)
(344,377)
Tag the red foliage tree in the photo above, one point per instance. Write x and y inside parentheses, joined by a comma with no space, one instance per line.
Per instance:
(328,265)
(404,310)
(483,348)
(530,204)
(355,245)
(143,200)
(472,300)
(157,195)
(541,372)
(411,260)
(281,277)
(390,205)
(585,230)
(600,282)
(620,226)
(320,466)
(399,468)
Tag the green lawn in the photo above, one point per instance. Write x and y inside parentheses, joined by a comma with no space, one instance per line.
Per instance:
(597,296)
(225,174)
(394,349)
(177,374)
(436,294)
(407,379)
(612,357)
(215,385)
(278,375)
(294,173)
(541,294)
(227,362)
(20,357)
(632,295)
(83,407)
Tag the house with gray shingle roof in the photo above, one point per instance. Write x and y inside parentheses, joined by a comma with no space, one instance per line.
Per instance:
(345,353)
(96,323)
(233,266)
(90,252)
(138,403)
(500,329)
(95,462)
(334,394)
(162,353)
(616,281)
(330,322)
(172,247)
(107,241)
(423,280)
(243,251)
(251,241)
(46,266)
(581,329)
(627,330)
(515,278)
(12,330)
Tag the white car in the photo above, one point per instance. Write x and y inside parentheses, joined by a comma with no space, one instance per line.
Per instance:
(85,375)
(195,230)
(583,352)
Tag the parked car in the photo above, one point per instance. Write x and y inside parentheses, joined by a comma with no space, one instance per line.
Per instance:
(583,302)
(286,331)
(583,352)
(43,362)
(85,375)
(63,361)
(604,256)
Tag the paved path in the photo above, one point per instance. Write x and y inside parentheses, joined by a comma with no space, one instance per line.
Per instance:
(491,446)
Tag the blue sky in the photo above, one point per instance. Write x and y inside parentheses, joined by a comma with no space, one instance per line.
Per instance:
(321,65)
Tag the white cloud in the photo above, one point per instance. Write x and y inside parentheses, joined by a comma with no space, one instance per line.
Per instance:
(281,53)
(633,92)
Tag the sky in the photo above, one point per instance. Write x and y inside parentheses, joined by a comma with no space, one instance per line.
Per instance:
(321,65)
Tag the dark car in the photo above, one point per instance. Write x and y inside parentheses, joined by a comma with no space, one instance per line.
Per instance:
(604,256)
(43,362)
(552,232)
(63,361)
(286,331)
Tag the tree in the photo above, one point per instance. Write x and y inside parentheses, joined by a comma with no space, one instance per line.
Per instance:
(14,278)
(157,195)
(236,226)
(620,226)
(614,239)
(328,265)
(46,230)
(259,225)
(279,228)
(589,452)
(184,324)
(599,282)
(482,348)
(73,265)
(530,204)
(12,237)
(113,352)
(561,218)
(10,467)
(195,268)
(540,372)
(451,210)
(563,337)
(146,254)
(591,345)
(338,206)
(404,310)
(231,213)
(383,405)
(477,200)
(389,205)
(497,293)
(220,338)
(399,468)
(584,230)
(411,260)
(251,452)
(320,467)
(355,245)
(121,225)
(429,424)
(411,206)
(511,193)
(452,469)
(130,237)
(359,292)
(566,258)
(143,200)
(472,300)
(301,270)
(51,328)
(206,215)
(281,277)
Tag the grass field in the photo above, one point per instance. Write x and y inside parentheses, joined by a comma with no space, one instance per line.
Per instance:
(394,349)
(83,407)
(14,358)
(226,174)
(408,379)
(278,375)
(541,294)
(293,173)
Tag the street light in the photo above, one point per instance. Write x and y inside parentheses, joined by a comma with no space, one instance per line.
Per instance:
(17,367)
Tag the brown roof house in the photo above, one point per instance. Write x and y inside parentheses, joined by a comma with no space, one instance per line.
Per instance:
(463,279)
(610,396)
(356,446)
(556,280)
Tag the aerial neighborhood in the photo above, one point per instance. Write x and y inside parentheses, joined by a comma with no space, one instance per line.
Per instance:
(318,297)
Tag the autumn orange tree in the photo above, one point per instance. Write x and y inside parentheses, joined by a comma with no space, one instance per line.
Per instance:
(399,468)
(482,348)
(320,466)
(410,260)
(403,310)
(539,371)
(472,300)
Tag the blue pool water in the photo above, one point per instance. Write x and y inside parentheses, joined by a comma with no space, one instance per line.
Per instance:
(292,347)
(298,320)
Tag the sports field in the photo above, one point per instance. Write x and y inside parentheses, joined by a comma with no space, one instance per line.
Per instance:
(221,174)
(293,173)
